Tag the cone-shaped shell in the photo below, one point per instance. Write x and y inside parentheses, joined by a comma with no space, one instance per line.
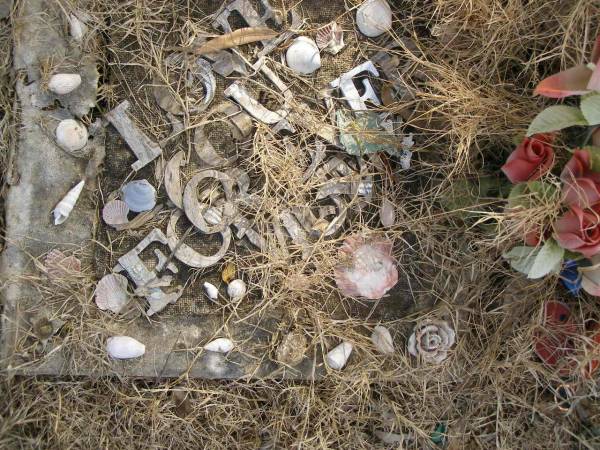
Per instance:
(71,135)
(139,195)
(338,357)
(211,290)
(382,340)
(374,17)
(65,206)
(58,265)
(124,347)
(431,340)
(303,56)
(219,345)
(63,83)
(236,289)
(115,213)
(111,293)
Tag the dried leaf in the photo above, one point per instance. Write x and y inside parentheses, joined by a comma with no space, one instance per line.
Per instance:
(228,273)
(236,38)
(140,219)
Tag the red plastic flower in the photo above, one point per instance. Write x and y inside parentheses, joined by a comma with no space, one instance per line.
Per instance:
(531,159)
(581,186)
(579,230)
(554,339)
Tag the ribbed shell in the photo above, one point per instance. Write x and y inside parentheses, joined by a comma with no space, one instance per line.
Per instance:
(139,195)
(111,293)
(115,213)
(330,38)
(58,265)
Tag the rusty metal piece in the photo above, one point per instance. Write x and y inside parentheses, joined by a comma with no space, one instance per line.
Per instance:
(345,83)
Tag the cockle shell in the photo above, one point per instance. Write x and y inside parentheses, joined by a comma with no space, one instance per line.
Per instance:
(71,135)
(139,195)
(236,289)
(382,340)
(303,56)
(111,293)
(338,357)
(330,38)
(115,213)
(211,290)
(63,83)
(374,17)
(65,206)
(367,269)
(431,340)
(219,345)
(58,265)
(124,347)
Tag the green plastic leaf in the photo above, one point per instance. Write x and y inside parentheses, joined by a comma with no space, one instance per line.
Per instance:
(590,107)
(547,260)
(363,134)
(521,258)
(556,118)
(531,193)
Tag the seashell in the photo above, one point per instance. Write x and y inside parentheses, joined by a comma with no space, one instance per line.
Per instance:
(139,195)
(115,213)
(382,340)
(387,213)
(303,56)
(330,38)
(220,345)
(65,206)
(431,340)
(337,358)
(368,269)
(211,290)
(236,289)
(58,265)
(124,347)
(374,17)
(71,135)
(292,348)
(63,83)
(77,27)
(111,293)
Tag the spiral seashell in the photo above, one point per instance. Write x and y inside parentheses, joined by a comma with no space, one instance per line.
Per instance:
(330,38)
(124,347)
(382,340)
(219,345)
(211,290)
(338,357)
(71,135)
(63,83)
(58,265)
(431,340)
(111,293)
(374,17)
(115,213)
(65,206)
(139,195)
(236,289)
(303,56)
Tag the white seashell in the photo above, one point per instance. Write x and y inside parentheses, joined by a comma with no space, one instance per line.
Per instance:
(303,56)
(111,293)
(236,289)
(63,83)
(382,340)
(431,340)
(338,357)
(220,345)
(58,265)
(115,213)
(71,135)
(330,38)
(66,205)
(211,290)
(139,195)
(387,213)
(77,27)
(124,347)
(374,17)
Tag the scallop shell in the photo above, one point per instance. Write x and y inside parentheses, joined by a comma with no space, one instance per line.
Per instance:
(211,290)
(374,17)
(71,135)
(219,345)
(115,213)
(124,347)
(65,206)
(63,83)
(139,195)
(382,340)
(338,357)
(303,56)
(330,38)
(111,293)
(236,289)
(58,265)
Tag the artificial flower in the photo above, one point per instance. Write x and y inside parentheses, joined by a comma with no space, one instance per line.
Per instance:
(570,277)
(533,158)
(590,277)
(579,230)
(581,185)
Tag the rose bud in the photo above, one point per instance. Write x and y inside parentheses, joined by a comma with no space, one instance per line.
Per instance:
(581,186)
(533,158)
(579,230)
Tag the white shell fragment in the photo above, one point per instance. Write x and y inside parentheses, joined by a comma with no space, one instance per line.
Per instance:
(63,83)
(65,206)
(219,345)
(111,293)
(77,27)
(303,56)
(115,213)
(374,17)
(236,289)
(338,357)
(124,347)
(382,340)
(387,213)
(139,195)
(71,135)
(211,290)
(330,38)
(431,340)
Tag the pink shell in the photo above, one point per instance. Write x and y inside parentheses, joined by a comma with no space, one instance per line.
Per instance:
(111,293)
(369,270)
(115,213)
(58,265)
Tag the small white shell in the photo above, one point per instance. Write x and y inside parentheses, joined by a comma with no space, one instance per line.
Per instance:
(111,293)
(382,340)
(115,213)
(219,345)
(63,83)
(139,195)
(387,213)
(77,28)
(338,357)
(66,205)
(374,17)
(236,289)
(71,135)
(303,56)
(58,265)
(124,347)
(211,290)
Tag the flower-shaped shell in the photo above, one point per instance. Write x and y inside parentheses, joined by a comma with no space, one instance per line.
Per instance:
(115,213)
(139,195)
(431,340)
(330,38)
(124,347)
(303,56)
(58,265)
(374,17)
(71,135)
(111,293)
(367,270)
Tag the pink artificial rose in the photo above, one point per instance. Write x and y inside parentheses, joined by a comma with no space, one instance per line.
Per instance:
(579,230)
(531,159)
(581,186)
